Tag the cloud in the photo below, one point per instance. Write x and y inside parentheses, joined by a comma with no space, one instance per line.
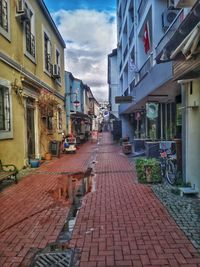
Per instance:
(90,36)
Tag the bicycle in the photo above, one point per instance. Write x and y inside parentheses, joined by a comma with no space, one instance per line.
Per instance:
(168,161)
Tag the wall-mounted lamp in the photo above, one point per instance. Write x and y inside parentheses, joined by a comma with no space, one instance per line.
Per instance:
(17,88)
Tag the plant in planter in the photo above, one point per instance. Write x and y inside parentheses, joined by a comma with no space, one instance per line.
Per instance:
(148,170)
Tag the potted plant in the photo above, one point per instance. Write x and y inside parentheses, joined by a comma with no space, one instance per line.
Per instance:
(34,163)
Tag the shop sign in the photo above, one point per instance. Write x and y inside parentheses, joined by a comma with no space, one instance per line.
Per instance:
(123,99)
(152,110)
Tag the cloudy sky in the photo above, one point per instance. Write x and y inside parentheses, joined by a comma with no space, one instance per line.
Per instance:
(89,30)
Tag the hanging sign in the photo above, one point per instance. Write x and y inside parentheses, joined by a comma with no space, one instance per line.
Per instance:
(152,110)
(123,99)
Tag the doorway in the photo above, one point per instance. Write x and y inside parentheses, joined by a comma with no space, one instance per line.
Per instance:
(30,121)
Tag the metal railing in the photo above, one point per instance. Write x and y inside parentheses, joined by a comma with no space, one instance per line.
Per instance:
(141,8)
(146,67)
(170,31)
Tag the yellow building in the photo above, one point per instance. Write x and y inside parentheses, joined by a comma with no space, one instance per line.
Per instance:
(32,82)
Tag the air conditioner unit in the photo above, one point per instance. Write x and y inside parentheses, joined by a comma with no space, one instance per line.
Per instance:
(168,17)
(56,71)
(23,12)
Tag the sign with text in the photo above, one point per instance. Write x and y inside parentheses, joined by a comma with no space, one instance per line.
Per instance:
(123,99)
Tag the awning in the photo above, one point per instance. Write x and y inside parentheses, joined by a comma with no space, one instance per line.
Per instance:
(189,45)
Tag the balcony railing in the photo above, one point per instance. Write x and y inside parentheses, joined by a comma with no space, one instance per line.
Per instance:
(30,43)
(131,36)
(141,8)
(146,67)
(170,31)
(125,52)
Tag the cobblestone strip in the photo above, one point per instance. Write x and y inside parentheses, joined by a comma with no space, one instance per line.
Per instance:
(185,211)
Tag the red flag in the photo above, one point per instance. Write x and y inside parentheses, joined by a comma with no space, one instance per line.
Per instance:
(146,38)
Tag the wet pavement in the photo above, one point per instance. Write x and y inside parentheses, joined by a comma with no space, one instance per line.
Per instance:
(119,223)
(34,211)
(123,223)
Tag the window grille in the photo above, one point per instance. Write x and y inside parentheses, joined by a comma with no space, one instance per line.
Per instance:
(47,53)
(30,38)
(4,14)
(5,124)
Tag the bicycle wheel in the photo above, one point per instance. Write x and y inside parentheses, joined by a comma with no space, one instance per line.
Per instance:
(171,171)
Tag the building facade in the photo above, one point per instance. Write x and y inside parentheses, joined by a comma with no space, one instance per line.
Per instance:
(140,28)
(77,105)
(183,50)
(32,84)
(113,83)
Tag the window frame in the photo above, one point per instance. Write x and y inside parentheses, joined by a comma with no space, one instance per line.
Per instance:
(7,133)
(58,62)
(59,120)
(49,49)
(4,32)
(32,34)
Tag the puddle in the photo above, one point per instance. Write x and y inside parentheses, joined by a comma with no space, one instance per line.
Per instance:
(85,185)
(93,183)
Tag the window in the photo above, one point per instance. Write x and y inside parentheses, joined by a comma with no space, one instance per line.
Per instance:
(29,33)
(47,53)
(4,18)
(5,113)
(58,65)
(59,118)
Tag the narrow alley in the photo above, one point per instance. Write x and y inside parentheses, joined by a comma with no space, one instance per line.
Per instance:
(122,223)
(119,223)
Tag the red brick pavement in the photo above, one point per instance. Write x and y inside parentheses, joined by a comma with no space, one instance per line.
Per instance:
(32,213)
(122,223)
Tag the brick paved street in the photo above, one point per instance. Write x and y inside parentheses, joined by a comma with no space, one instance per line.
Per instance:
(31,213)
(120,223)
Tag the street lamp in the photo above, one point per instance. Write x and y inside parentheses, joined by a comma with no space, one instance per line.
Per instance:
(76,102)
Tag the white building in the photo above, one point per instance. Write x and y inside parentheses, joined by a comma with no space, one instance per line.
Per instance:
(113,83)
(141,27)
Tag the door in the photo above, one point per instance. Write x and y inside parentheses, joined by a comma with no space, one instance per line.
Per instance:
(30,110)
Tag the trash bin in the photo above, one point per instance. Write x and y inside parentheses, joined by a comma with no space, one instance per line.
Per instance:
(126,147)
(54,148)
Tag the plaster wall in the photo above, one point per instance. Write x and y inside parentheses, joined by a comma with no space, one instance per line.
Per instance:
(193,134)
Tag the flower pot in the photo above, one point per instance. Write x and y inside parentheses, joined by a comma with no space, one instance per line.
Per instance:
(48,156)
(35,163)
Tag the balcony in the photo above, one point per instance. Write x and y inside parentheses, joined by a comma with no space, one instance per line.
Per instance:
(131,36)
(125,52)
(170,32)
(146,67)
(141,8)
(176,34)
